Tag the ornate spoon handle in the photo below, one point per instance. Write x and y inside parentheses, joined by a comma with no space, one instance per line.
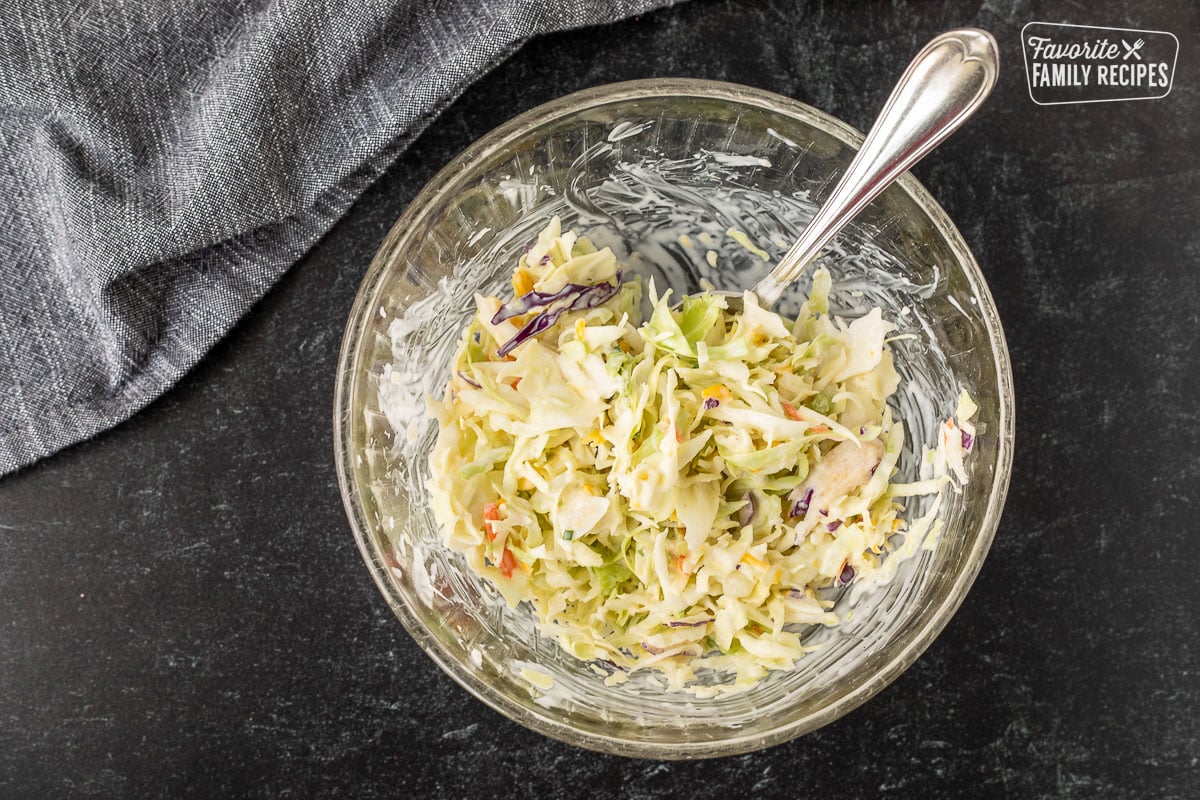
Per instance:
(946,82)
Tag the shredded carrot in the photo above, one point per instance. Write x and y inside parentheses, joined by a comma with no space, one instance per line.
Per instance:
(790,411)
(821,429)
(718,391)
(679,564)
(947,429)
(491,513)
(507,562)
(522,282)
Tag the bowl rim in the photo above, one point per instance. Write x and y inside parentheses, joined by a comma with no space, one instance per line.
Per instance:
(444,183)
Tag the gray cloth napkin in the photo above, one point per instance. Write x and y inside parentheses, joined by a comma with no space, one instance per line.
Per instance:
(162,163)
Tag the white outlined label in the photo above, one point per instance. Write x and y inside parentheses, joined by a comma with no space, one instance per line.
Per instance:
(1088,64)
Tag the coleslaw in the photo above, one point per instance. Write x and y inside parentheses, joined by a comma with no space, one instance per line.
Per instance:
(674,492)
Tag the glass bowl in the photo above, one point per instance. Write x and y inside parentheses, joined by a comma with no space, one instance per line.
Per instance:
(662,170)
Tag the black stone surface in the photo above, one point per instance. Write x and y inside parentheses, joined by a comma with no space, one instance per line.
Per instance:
(183,612)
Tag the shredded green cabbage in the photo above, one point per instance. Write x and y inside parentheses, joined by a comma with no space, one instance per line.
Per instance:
(674,493)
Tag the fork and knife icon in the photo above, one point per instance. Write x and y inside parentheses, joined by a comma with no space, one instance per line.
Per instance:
(1132,49)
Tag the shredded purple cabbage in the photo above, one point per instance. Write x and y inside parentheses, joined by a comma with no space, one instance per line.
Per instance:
(652,650)
(846,576)
(746,512)
(833,526)
(532,328)
(531,300)
(711,403)
(468,381)
(681,624)
(581,298)
(801,506)
(967,440)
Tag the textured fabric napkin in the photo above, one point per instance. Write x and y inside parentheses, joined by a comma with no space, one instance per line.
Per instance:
(162,163)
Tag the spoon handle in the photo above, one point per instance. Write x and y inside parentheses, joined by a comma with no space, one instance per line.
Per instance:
(946,82)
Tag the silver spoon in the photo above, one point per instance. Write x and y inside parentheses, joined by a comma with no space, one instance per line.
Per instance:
(946,82)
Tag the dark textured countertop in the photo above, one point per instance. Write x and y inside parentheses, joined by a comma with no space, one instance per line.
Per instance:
(183,612)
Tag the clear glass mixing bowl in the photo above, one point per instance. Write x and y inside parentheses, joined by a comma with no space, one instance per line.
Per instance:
(661,170)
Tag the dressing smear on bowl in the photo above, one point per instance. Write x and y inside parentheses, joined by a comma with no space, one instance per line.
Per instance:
(674,490)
